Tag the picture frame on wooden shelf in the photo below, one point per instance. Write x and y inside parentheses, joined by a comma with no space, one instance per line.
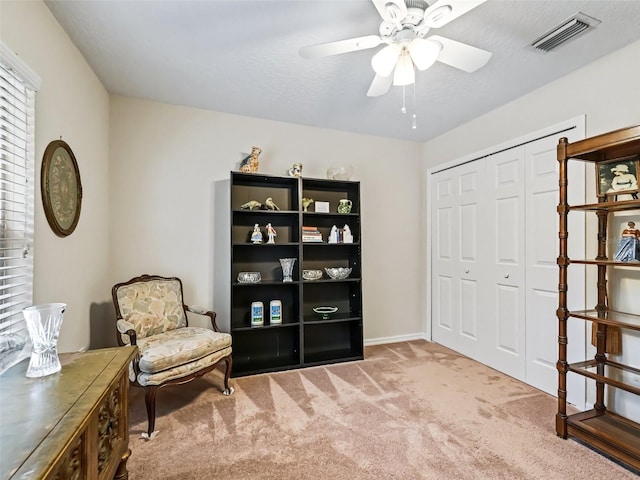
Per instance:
(618,176)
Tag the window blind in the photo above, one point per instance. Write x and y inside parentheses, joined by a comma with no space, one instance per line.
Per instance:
(16,198)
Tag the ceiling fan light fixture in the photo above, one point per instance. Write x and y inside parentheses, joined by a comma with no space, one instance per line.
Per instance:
(384,61)
(424,53)
(404,73)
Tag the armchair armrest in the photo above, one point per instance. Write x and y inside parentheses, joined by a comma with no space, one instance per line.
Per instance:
(127,328)
(203,311)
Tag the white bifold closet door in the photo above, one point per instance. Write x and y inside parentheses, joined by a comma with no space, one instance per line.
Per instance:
(494,274)
(478,260)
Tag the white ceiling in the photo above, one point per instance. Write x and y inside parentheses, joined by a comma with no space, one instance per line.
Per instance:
(241,57)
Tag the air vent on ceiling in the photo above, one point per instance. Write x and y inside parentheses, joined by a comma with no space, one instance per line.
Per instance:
(568,29)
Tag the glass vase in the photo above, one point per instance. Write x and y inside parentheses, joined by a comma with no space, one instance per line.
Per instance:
(44,322)
(287,268)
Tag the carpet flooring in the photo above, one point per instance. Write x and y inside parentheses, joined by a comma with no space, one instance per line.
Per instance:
(410,410)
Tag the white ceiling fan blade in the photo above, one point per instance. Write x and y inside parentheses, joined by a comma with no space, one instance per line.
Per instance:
(444,11)
(380,85)
(424,52)
(392,11)
(341,46)
(460,55)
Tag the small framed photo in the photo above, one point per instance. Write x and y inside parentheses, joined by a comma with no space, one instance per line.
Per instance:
(618,177)
(322,207)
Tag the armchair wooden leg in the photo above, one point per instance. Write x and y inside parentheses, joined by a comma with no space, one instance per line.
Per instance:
(227,373)
(150,401)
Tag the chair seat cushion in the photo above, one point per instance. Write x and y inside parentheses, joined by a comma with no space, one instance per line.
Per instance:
(176,373)
(179,347)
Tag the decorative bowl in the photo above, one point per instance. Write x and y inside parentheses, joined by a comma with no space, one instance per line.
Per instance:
(338,273)
(324,312)
(311,274)
(249,277)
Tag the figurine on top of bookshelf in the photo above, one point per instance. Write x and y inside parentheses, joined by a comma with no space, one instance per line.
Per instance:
(256,235)
(629,245)
(347,236)
(270,205)
(250,163)
(250,205)
(295,170)
(271,233)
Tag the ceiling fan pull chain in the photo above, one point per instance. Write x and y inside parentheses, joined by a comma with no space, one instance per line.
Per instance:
(404,108)
(414,122)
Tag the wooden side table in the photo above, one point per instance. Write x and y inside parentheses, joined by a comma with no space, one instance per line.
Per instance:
(70,425)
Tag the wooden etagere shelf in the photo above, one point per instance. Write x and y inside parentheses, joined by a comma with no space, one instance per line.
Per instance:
(599,427)
(621,206)
(303,338)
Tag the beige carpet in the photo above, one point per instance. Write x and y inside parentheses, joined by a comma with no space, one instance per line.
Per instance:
(411,410)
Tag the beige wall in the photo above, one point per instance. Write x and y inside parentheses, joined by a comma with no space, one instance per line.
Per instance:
(72,105)
(166,161)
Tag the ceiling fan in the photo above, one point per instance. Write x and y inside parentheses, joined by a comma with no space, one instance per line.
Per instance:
(405,24)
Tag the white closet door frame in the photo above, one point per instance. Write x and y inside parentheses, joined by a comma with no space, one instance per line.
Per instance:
(575,125)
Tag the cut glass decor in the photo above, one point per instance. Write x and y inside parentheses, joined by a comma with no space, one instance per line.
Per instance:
(44,322)
(287,268)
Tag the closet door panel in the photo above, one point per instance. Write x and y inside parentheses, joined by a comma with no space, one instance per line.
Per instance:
(505,301)
(445,309)
(508,333)
(456,259)
(468,309)
(542,272)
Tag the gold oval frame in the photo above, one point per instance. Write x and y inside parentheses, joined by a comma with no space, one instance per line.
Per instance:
(61,188)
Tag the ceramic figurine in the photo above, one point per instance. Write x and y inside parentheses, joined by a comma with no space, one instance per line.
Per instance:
(305,203)
(256,235)
(250,163)
(251,204)
(333,236)
(629,246)
(347,236)
(295,170)
(270,205)
(271,233)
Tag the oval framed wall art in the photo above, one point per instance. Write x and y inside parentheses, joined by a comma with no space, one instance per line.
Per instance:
(61,188)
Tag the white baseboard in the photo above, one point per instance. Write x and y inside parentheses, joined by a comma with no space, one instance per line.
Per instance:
(395,339)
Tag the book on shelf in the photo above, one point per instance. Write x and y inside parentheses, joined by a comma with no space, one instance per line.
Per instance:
(311,234)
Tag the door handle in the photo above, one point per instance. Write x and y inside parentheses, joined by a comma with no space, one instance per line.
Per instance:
(466,270)
(506,276)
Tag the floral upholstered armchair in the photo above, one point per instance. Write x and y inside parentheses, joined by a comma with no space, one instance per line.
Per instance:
(151,314)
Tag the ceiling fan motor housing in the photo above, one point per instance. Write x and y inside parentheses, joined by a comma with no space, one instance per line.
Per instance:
(415,11)
(413,17)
